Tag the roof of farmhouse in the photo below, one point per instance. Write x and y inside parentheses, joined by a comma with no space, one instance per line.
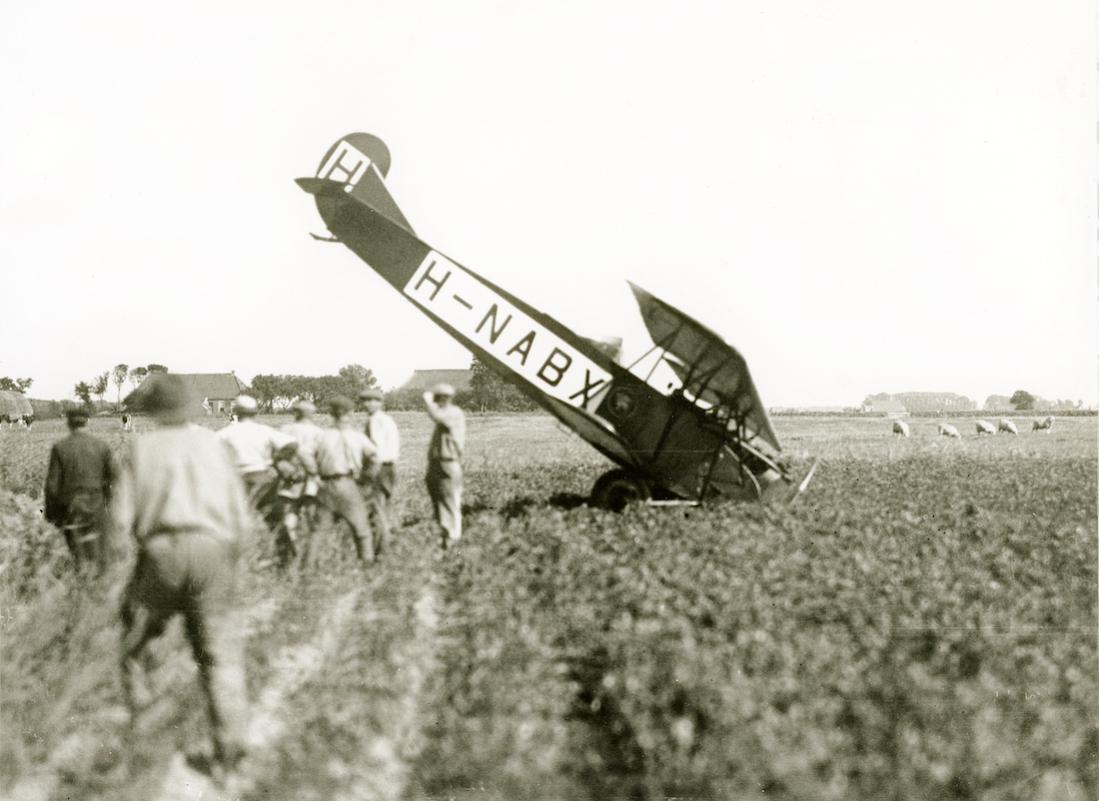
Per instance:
(216,386)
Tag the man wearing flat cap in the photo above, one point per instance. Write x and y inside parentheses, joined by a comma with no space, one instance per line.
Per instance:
(382,431)
(346,457)
(180,499)
(256,448)
(79,481)
(444,461)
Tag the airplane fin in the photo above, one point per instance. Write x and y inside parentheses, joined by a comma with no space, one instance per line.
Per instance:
(360,162)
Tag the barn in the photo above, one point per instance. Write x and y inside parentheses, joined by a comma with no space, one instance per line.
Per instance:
(213,392)
(14,405)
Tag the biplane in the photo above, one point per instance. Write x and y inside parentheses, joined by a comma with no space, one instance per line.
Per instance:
(703,435)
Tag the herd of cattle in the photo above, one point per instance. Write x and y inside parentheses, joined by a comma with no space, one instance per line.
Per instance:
(901,428)
(18,421)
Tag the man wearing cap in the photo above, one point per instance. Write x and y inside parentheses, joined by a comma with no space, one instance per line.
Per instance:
(382,431)
(344,455)
(444,461)
(78,488)
(180,499)
(255,448)
(302,492)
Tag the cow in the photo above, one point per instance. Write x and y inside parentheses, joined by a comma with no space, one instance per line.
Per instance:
(947,430)
(1006,426)
(900,428)
(985,427)
(1045,424)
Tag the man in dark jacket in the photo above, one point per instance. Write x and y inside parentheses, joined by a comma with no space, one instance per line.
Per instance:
(78,489)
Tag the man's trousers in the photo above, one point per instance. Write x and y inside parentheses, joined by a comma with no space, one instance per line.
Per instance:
(194,574)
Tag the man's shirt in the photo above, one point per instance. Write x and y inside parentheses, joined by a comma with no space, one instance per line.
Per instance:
(180,479)
(343,451)
(308,435)
(253,444)
(382,431)
(449,437)
(78,462)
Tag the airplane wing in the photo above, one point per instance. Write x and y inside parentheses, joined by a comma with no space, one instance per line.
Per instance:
(710,369)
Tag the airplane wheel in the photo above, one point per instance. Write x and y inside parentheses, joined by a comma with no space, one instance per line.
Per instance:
(616,489)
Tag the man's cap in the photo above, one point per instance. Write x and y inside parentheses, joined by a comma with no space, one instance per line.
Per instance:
(78,413)
(169,397)
(373,393)
(304,406)
(443,389)
(245,404)
(339,406)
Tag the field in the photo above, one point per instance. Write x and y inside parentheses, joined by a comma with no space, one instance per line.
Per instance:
(921,625)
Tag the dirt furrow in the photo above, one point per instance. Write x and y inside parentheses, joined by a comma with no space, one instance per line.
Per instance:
(292,668)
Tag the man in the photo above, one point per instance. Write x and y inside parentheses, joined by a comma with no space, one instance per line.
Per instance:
(383,433)
(344,455)
(180,499)
(444,461)
(255,448)
(299,494)
(78,488)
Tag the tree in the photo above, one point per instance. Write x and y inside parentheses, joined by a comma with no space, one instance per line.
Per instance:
(155,368)
(1022,400)
(356,378)
(16,384)
(84,391)
(489,392)
(118,374)
(137,375)
(99,385)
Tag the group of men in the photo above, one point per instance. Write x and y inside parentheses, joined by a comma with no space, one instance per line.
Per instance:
(184,493)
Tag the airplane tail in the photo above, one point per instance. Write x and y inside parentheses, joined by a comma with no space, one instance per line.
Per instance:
(357,163)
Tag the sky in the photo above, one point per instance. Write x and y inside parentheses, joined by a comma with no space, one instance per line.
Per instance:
(861,197)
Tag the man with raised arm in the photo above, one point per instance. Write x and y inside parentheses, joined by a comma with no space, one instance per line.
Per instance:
(444,461)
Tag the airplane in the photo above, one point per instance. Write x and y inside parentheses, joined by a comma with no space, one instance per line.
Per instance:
(709,437)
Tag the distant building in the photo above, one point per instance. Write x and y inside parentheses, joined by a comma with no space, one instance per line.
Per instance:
(213,392)
(423,380)
(936,402)
(889,406)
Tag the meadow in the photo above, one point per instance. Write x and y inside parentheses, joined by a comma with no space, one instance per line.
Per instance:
(921,624)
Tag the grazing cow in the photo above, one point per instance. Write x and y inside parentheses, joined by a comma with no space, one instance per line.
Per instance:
(1007,426)
(900,428)
(947,430)
(1045,424)
(985,427)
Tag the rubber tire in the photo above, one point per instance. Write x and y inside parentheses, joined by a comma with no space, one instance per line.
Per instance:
(616,489)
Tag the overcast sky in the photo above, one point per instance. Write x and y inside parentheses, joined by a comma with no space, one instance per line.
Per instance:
(860,196)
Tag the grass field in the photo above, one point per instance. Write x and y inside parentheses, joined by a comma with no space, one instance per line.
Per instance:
(921,625)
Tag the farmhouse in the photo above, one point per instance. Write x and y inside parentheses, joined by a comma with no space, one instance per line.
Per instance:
(213,392)
(423,380)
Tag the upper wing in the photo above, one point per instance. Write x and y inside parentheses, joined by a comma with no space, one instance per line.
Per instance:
(710,369)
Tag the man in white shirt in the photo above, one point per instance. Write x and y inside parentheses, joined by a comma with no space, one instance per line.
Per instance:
(255,447)
(298,489)
(444,461)
(382,431)
(345,458)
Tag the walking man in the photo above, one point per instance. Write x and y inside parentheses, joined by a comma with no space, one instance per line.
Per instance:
(444,461)
(346,456)
(78,488)
(180,499)
(298,496)
(255,448)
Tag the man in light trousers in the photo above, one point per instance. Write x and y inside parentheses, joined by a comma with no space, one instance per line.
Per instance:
(444,461)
